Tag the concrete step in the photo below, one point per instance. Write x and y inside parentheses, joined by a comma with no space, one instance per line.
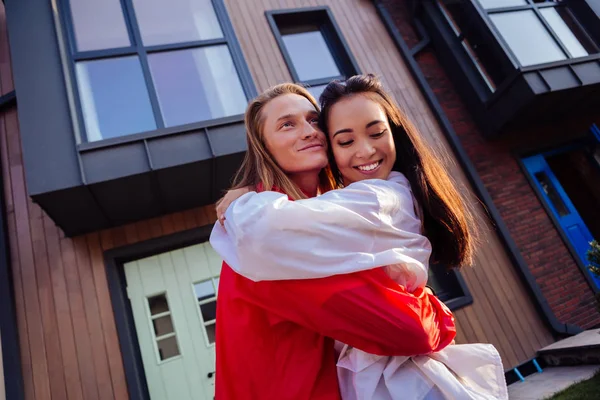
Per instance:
(580,349)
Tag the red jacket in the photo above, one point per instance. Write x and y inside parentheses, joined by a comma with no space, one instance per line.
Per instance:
(274,338)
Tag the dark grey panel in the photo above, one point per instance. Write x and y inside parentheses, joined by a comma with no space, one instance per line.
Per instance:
(48,143)
(128,199)
(108,163)
(175,150)
(560,78)
(536,83)
(225,169)
(227,139)
(588,72)
(74,210)
(186,186)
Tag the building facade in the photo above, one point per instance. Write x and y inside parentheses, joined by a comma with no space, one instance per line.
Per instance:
(120,141)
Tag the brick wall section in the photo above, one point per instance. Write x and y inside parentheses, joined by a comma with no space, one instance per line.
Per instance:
(549,260)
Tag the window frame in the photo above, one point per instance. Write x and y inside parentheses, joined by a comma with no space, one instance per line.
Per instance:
(137,49)
(324,19)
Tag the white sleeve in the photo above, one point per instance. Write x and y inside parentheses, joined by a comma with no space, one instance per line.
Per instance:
(369,224)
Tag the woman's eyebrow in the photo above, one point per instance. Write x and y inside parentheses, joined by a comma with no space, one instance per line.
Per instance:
(342,131)
(370,124)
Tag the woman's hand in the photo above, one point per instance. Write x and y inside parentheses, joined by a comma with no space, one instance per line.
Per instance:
(225,202)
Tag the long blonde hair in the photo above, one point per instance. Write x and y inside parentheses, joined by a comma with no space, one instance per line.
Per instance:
(259,166)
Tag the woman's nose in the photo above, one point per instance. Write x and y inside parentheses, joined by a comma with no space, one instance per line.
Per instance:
(365,151)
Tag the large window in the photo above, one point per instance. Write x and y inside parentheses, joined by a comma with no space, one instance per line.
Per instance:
(143,65)
(533,31)
(312,46)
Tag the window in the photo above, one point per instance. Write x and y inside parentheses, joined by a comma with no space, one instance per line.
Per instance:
(312,47)
(164,332)
(206,294)
(449,286)
(539,32)
(535,32)
(156,67)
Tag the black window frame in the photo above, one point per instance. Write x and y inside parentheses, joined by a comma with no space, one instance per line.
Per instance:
(324,19)
(140,51)
(452,288)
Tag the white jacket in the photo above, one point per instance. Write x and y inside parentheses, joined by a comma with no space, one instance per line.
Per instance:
(369,224)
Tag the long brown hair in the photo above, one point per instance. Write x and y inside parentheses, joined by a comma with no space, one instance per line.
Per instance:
(259,166)
(447,220)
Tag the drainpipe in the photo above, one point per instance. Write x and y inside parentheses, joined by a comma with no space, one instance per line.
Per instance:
(557,328)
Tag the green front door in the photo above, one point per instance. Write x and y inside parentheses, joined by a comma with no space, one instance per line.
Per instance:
(173,299)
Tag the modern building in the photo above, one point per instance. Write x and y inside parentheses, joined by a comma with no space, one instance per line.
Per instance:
(121,124)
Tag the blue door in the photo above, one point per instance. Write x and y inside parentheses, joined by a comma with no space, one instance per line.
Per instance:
(562,208)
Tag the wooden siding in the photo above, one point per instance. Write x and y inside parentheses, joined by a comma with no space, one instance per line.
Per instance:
(68,340)
(2,391)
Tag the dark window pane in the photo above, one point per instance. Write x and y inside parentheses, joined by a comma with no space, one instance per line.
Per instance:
(158,304)
(552,194)
(167,348)
(568,31)
(197,85)
(114,98)
(475,42)
(527,37)
(162,325)
(211,333)
(204,290)
(90,21)
(179,21)
(209,311)
(310,55)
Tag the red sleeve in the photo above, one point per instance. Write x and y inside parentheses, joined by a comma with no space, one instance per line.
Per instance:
(366,310)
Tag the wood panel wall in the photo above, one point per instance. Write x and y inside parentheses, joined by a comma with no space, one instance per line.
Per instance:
(2,389)
(68,340)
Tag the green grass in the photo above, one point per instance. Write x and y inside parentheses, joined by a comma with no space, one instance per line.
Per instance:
(585,390)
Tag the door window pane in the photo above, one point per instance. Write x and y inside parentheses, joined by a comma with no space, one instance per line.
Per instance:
(562,30)
(527,37)
(158,304)
(209,311)
(162,325)
(114,98)
(552,194)
(204,290)
(310,55)
(197,85)
(179,21)
(90,21)
(167,348)
(211,332)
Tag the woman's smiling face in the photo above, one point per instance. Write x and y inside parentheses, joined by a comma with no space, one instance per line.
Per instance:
(361,139)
